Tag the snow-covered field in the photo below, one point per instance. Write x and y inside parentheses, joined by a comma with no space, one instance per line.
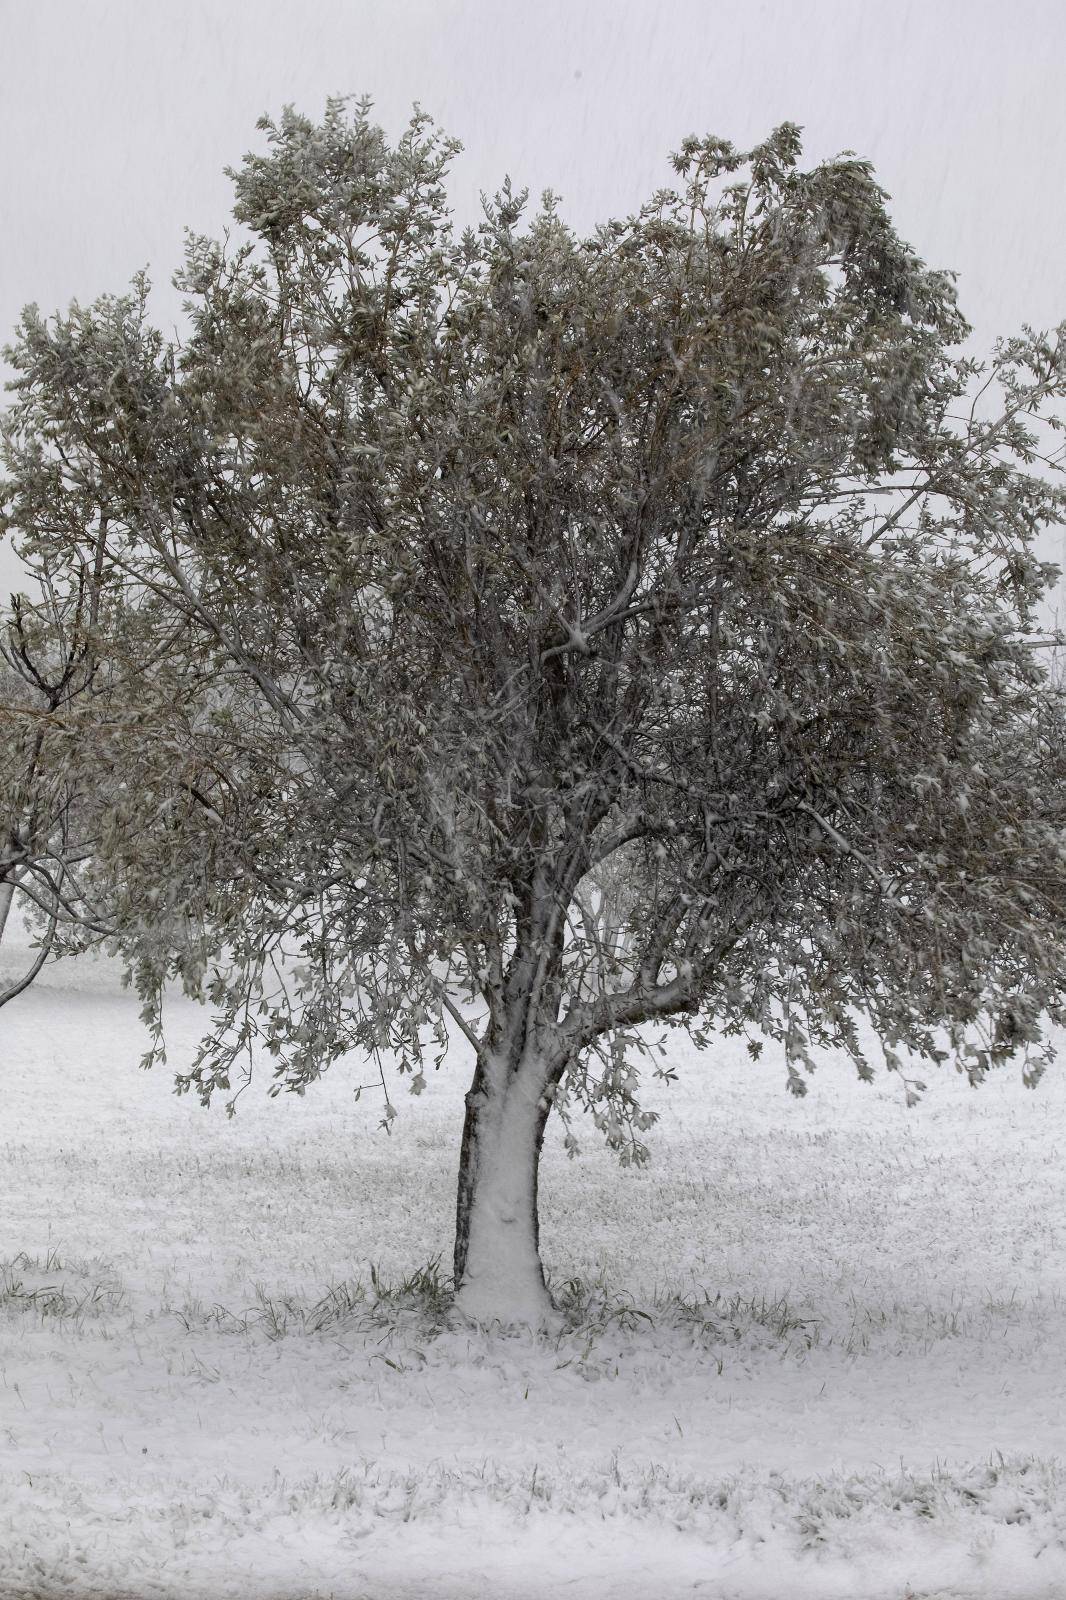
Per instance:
(816,1350)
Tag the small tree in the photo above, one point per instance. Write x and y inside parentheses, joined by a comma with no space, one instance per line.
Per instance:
(611,631)
(46,669)
(76,669)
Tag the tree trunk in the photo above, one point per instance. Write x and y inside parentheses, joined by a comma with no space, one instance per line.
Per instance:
(7,894)
(498,1272)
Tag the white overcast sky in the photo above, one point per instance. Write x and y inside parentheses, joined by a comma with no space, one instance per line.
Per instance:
(117,117)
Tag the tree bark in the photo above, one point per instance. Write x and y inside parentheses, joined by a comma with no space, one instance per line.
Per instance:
(498,1271)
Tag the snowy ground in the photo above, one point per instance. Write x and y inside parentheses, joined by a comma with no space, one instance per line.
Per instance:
(848,1379)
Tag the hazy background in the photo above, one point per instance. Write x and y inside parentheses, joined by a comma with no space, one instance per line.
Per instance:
(116,119)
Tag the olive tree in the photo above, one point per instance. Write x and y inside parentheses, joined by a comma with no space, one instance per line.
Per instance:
(564,635)
(46,670)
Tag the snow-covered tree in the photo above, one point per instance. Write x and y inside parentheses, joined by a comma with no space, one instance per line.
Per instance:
(561,635)
(47,672)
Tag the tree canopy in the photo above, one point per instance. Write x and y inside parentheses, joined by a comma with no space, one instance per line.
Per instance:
(552,635)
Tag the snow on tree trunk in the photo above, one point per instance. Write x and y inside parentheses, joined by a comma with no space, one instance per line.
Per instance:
(7,893)
(498,1271)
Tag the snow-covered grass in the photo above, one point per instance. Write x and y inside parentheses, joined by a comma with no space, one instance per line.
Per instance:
(816,1349)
